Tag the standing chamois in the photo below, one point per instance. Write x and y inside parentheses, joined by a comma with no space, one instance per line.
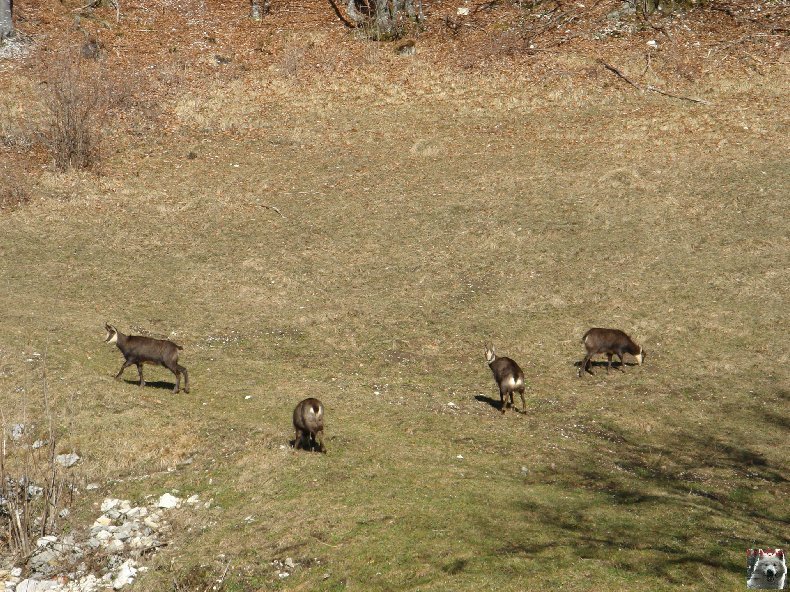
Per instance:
(309,425)
(138,350)
(610,342)
(509,378)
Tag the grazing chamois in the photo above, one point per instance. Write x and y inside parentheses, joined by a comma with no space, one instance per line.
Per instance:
(138,350)
(309,425)
(509,378)
(610,342)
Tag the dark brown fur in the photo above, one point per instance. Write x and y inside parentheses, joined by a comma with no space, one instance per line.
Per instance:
(509,378)
(610,342)
(309,425)
(138,350)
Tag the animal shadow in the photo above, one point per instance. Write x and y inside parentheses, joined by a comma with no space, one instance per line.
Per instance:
(595,364)
(495,403)
(312,446)
(160,384)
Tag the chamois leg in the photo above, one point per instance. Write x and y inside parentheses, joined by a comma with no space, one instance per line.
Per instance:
(503,398)
(523,401)
(622,362)
(183,371)
(126,364)
(585,363)
(140,372)
(609,363)
(319,440)
(298,439)
(174,368)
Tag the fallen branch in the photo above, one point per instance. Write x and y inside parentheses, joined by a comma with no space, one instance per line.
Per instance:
(346,22)
(620,74)
(650,87)
(654,89)
(275,208)
(324,543)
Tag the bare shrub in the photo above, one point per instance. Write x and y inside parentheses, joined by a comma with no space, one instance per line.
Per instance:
(33,488)
(13,189)
(77,101)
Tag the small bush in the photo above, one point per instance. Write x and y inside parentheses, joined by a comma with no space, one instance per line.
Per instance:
(13,190)
(77,101)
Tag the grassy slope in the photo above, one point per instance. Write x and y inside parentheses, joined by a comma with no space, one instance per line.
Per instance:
(412,233)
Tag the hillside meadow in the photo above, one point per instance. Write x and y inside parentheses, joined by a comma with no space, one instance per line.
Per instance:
(360,240)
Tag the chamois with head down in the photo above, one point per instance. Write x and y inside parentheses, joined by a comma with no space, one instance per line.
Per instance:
(309,425)
(138,350)
(610,342)
(509,378)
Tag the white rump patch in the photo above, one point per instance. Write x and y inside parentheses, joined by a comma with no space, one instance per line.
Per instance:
(511,382)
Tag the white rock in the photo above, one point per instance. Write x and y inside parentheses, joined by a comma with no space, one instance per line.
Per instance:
(283,574)
(125,574)
(46,540)
(92,486)
(103,535)
(40,444)
(289,562)
(36,585)
(139,512)
(67,460)
(64,513)
(463,11)
(452,405)
(193,499)
(17,431)
(247,397)
(16,572)
(168,501)
(653,43)
(115,546)
(102,521)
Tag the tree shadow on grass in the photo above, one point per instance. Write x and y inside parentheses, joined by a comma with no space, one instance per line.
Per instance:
(678,508)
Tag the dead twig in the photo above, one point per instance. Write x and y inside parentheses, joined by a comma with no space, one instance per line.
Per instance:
(650,87)
(654,89)
(620,74)
(217,584)
(275,208)
(323,543)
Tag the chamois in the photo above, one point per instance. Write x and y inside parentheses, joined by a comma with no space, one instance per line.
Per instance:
(138,350)
(509,378)
(610,342)
(309,425)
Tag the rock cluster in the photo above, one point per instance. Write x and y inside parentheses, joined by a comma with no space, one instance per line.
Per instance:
(118,537)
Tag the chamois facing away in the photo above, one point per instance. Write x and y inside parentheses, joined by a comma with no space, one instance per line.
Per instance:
(509,378)
(610,342)
(309,425)
(138,350)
